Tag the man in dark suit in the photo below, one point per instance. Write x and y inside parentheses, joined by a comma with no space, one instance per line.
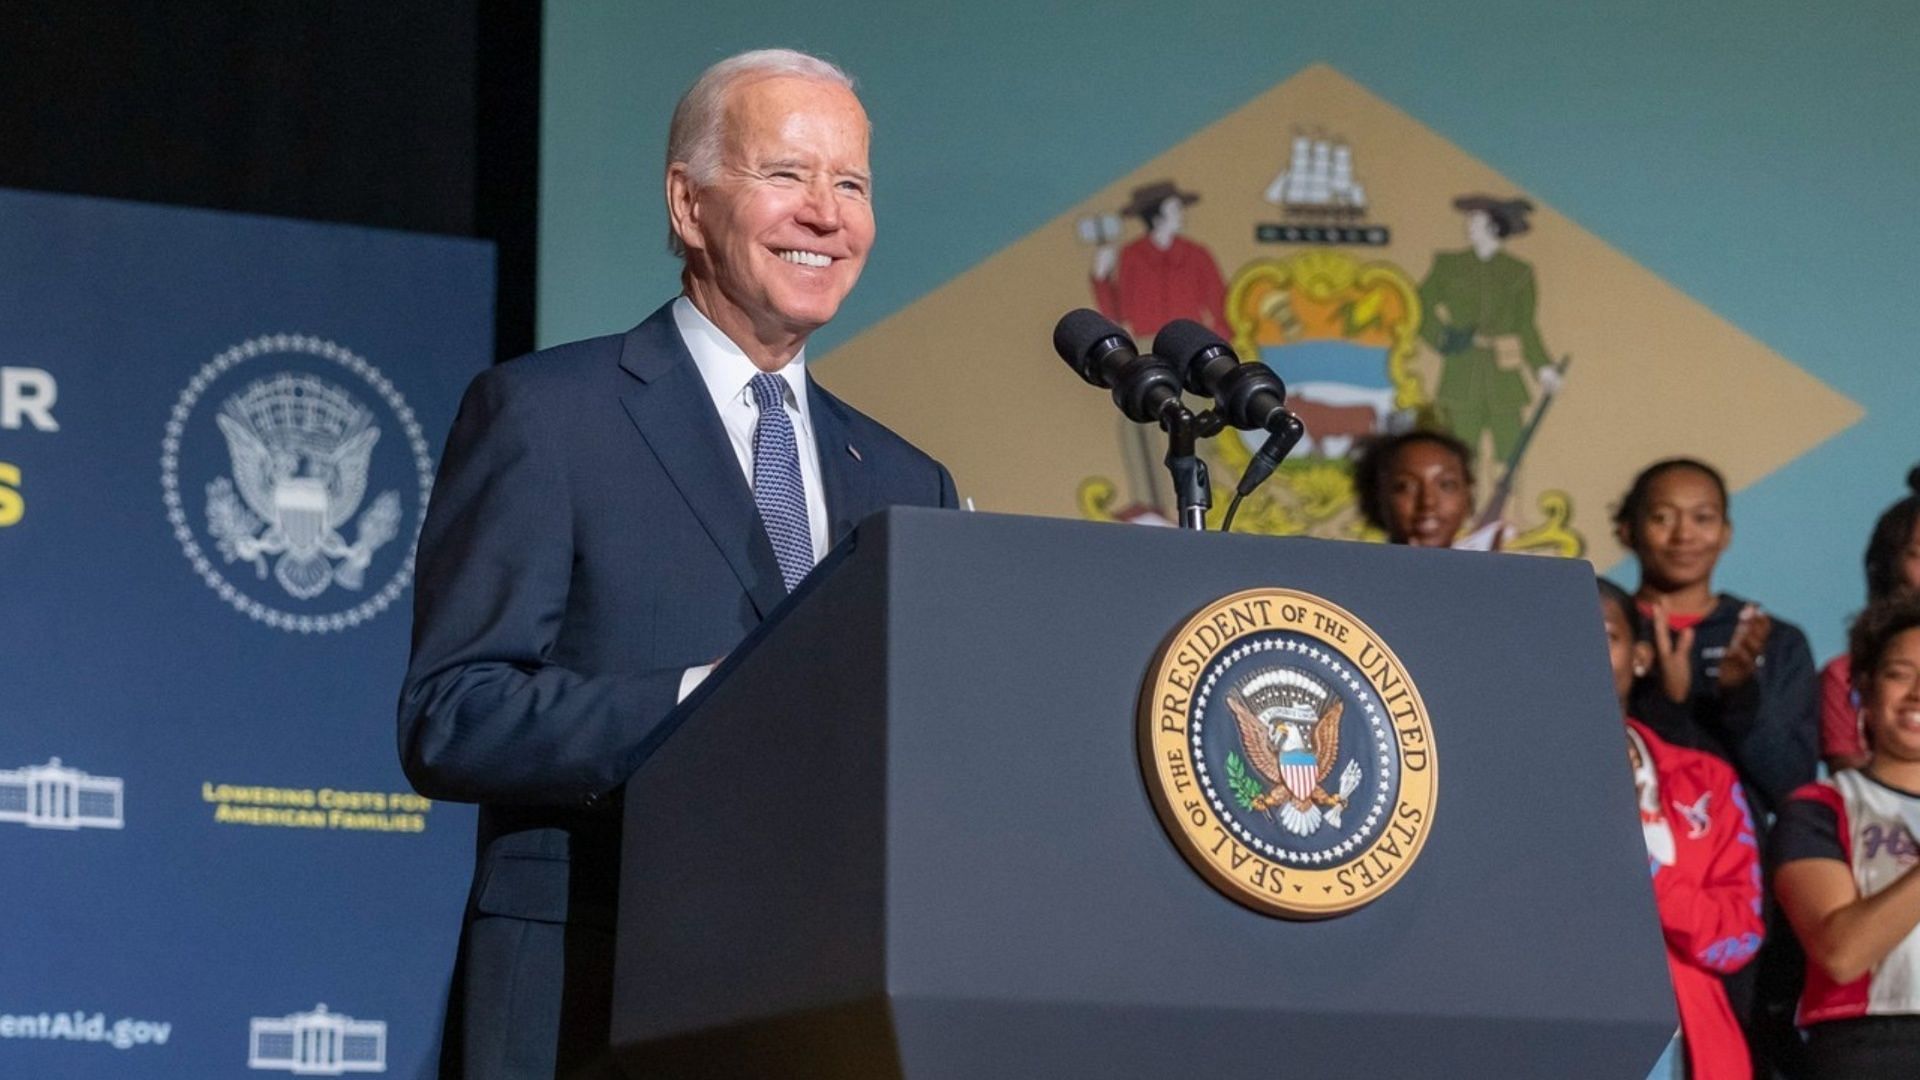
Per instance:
(613,515)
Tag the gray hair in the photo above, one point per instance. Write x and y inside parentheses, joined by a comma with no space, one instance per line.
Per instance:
(697,134)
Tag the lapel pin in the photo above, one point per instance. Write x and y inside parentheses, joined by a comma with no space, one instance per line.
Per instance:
(854,452)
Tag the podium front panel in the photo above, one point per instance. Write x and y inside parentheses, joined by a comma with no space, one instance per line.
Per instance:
(1031,909)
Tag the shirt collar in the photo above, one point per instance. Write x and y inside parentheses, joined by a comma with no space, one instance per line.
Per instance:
(724,366)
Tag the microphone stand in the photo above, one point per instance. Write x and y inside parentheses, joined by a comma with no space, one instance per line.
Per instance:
(1192,490)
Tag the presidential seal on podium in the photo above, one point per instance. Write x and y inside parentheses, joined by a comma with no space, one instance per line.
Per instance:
(1288,754)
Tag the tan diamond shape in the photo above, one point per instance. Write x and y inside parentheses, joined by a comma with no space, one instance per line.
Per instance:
(1655,373)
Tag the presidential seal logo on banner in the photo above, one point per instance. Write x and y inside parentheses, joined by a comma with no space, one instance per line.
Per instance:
(1288,754)
(296,480)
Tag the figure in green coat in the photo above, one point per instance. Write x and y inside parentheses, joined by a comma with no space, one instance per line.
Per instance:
(1477,312)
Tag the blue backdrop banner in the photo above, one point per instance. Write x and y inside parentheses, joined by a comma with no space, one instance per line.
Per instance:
(217,440)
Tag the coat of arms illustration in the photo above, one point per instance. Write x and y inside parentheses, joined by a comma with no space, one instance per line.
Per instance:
(300,450)
(1288,753)
(1290,729)
(291,456)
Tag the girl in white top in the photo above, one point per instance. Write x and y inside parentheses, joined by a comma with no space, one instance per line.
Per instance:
(1845,855)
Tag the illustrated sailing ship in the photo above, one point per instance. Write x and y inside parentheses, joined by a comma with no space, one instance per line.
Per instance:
(1318,181)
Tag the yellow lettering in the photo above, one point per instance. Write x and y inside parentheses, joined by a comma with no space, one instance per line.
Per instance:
(13,505)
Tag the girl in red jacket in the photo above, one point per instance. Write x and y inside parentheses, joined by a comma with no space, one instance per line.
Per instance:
(1703,856)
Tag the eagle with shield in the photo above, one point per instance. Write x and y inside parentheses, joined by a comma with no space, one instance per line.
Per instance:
(301,449)
(1290,729)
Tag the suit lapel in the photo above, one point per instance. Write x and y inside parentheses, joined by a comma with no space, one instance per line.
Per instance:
(843,475)
(671,407)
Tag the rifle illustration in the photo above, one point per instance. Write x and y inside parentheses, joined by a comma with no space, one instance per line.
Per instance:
(1496,506)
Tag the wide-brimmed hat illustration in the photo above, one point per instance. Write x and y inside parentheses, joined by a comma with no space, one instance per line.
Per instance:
(1509,215)
(1148,197)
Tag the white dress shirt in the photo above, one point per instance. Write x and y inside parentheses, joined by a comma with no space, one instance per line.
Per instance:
(728,373)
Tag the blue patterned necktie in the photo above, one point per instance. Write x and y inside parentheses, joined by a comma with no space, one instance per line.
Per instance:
(777,489)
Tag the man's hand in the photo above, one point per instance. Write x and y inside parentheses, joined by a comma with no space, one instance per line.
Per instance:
(1549,378)
(1744,651)
(1673,654)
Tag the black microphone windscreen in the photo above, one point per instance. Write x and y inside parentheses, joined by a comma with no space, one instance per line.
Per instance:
(1078,331)
(1183,339)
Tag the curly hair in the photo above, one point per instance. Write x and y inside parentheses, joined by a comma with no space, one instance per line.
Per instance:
(1874,630)
(1872,633)
(1374,461)
(1890,536)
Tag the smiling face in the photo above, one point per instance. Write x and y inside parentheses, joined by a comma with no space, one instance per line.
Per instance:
(1682,530)
(1890,700)
(777,239)
(1427,495)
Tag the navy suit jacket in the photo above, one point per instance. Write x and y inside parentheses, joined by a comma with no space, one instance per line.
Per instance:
(590,537)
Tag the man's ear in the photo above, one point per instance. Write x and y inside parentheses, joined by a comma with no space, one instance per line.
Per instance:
(683,207)
(1642,657)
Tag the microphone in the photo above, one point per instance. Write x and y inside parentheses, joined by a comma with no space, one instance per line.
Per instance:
(1286,434)
(1146,387)
(1249,396)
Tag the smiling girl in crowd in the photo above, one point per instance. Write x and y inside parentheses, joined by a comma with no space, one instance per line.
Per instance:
(1730,679)
(1416,487)
(1845,861)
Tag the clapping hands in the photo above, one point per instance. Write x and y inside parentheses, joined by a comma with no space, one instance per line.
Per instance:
(1673,654)
(1744,652)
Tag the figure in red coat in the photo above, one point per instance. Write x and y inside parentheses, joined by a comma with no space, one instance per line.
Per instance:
(1162,276)
(1143,286)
